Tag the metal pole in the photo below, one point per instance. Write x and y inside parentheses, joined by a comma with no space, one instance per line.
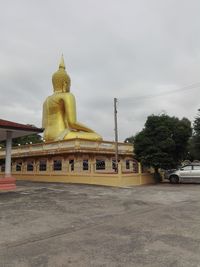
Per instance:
(8,154)
(116,134)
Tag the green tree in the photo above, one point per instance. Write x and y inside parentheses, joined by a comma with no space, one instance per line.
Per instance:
(129,139)
(194,144)
(29,139)
(163,142)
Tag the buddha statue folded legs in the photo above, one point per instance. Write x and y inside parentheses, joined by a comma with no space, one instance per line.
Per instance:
(59,112)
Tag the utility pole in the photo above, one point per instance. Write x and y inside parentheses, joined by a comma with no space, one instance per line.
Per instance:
(116,134)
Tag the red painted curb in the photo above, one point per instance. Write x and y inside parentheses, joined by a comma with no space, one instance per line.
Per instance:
(7,183)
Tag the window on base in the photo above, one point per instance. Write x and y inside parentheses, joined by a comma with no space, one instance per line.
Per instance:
(43,165)
(3,168)
(57,165)
(128,164)
(114,166)
(100,164)
(18,166)
(85,165)
(30,166)
(71,164)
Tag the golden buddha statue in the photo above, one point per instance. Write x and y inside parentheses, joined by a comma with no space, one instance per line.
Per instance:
(59,112)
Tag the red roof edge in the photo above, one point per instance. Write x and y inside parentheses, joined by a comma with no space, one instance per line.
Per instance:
(18,126)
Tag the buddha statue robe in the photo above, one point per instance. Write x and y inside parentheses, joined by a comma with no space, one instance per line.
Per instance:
(59,112)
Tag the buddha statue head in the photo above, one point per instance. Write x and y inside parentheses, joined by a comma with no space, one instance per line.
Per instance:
(60,79)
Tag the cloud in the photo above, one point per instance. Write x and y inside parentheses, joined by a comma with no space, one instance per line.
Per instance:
(126,49)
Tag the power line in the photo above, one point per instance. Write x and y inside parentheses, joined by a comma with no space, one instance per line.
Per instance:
(169,92)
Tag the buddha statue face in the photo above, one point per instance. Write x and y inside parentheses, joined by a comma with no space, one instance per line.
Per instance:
(60,79)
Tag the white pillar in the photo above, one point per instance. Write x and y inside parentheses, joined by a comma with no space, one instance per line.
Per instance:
(8,154)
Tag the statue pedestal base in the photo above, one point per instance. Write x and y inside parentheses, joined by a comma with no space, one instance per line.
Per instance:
(7,183)
(74,161)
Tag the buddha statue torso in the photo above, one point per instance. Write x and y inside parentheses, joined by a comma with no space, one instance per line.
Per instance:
(59,112)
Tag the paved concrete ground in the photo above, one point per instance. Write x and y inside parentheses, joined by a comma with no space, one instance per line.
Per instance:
(58,225)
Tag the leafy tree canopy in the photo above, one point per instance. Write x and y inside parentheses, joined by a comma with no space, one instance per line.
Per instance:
(129,139)
(29,139)
(163,141)
(194,144)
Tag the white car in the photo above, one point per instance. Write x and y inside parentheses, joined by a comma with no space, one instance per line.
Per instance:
(188,173)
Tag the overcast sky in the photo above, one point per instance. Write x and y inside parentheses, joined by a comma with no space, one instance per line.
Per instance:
(128,49)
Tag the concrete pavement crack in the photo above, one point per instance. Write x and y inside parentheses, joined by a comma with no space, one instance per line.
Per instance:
(65,231)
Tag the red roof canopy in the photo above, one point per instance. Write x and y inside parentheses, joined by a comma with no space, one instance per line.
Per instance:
(17,129)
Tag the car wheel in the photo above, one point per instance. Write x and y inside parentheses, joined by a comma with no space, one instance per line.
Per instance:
(174,179)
